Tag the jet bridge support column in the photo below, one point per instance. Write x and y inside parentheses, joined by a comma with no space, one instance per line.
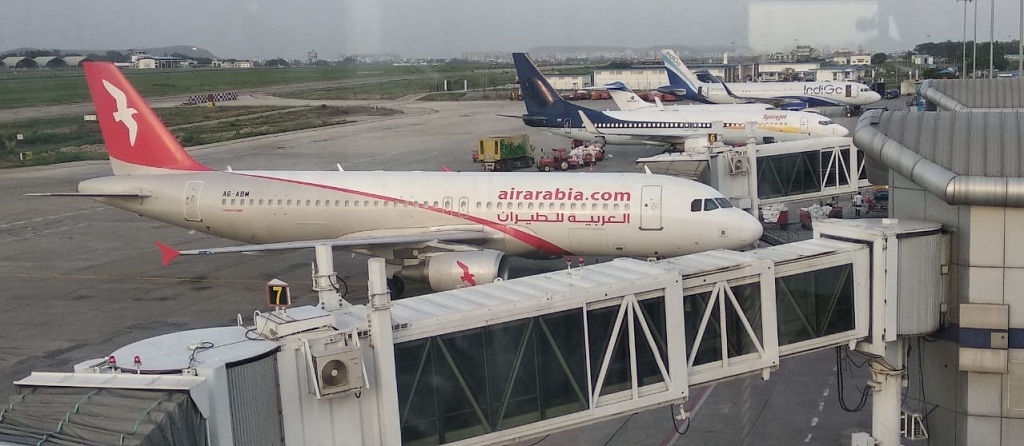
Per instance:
(887,383)
(324,281)
(382,339)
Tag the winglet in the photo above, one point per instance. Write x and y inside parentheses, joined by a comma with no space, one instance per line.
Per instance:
(588,124)
(168,253)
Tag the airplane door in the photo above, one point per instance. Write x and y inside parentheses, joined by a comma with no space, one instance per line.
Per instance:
(567,126)
(803,125)
(850,92)
(650,211)
(463,206)
(192,190)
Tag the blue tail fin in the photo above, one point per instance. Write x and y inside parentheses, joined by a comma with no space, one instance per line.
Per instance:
(544,107)
(681,81)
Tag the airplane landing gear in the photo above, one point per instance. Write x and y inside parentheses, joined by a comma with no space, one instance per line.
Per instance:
(397,286)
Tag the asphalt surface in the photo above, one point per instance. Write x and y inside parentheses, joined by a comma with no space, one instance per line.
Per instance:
(81,279)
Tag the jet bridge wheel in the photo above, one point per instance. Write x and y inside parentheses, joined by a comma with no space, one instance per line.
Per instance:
(397,286)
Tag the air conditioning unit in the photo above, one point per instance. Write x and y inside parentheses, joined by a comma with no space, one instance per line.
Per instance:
(738,164)
(336,365)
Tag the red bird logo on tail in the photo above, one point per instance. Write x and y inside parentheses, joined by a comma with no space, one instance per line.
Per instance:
(466,276)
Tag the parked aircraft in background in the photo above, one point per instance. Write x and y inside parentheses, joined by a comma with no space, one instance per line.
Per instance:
(545,109)
(626,100)
(791,95)
(448,229)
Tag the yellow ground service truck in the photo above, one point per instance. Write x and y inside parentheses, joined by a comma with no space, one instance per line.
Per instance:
(504,153)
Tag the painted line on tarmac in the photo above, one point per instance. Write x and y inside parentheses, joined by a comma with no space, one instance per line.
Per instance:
(673,436)
(34,220)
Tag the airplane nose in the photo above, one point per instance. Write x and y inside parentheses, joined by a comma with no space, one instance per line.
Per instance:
(750,230)
(839,130)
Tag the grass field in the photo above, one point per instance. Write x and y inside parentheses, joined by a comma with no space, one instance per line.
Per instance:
(69,138)
(28,88)
(397,89)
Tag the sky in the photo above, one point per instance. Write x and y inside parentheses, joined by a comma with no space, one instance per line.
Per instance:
(262,29)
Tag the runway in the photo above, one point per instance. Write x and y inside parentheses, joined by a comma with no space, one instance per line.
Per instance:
(81,279)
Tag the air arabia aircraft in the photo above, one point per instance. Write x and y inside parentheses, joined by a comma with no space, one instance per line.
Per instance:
(448,229)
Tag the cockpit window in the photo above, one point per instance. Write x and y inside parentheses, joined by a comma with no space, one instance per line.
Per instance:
(723,203)
(710,204)
(826,122)
(695,205)
(865,89)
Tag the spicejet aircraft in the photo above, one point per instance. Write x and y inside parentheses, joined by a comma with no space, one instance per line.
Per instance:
(545,109)
(448,229)
(795,95)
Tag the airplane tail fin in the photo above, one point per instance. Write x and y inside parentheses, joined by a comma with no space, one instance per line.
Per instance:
(544,107)
(678,74)
(137,141)
(624,98)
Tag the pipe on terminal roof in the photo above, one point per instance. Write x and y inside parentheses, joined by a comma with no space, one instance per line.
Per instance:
(951,187)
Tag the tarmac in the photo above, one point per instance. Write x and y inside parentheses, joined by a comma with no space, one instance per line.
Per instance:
(81,279)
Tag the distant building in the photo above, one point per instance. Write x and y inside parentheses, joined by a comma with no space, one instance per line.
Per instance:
(231,63)
(639,79)
(792,71)
(567,82)
(493,57)
(842,73)
(860,59)
(922,59)
(151,62)
(19,62)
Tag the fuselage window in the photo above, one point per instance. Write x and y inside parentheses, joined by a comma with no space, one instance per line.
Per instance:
(723,203)
(572,206)
(355,203)
(593,206)
(309,202)
(520,205)
(261,202)
(604,207)
(695,205)
(496,206)
(252,202)
(709,204)
(224,201)
(615,207)
(279,201)
(375,203)
(337,203)
(317,203)
(366,203)
(346,203)
(625,207)
(530,206)
(232,201)
(561,207)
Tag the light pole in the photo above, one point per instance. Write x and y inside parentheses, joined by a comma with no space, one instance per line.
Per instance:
(1020,43)
(963,65)
(974,60)
(992,41)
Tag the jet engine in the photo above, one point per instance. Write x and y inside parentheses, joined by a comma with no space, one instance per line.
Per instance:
(450,270)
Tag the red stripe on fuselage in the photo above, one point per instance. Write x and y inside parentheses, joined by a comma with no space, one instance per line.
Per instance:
(530,239)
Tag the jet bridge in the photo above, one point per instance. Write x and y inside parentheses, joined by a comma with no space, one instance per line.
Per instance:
(515,359)
(785,172)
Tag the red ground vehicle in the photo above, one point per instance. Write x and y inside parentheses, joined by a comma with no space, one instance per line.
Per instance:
(557,159)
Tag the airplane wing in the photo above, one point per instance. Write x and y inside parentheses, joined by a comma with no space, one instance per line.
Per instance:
(445,239)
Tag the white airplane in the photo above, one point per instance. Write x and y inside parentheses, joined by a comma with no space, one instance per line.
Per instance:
(626,100)
(789,95)
(448,229)
(545,109)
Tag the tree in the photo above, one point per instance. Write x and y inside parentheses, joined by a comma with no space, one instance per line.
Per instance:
(879,58)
